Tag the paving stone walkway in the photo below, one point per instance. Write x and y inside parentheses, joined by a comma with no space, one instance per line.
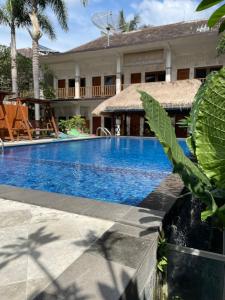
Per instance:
(38,244)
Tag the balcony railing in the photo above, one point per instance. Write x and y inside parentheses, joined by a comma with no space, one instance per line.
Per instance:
(87,92)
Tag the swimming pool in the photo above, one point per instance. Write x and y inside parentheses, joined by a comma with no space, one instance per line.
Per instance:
(122,170)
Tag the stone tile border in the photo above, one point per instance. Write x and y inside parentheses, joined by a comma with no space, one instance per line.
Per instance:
(48,141)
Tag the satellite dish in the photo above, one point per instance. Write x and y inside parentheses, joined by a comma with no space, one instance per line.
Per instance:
(108,22)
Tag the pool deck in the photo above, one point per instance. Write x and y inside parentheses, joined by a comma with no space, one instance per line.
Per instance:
(49,140)
(54,246)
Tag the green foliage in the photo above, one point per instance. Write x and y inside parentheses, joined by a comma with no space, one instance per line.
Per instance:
(24,66)
(184,123)
(217,15)
(209,137)
(220,48)
(127,26)
(162,253)
(76,122)
(5,67)
(47,83)
(204,180)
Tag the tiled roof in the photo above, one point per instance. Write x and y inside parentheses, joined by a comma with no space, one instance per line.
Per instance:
(147,35)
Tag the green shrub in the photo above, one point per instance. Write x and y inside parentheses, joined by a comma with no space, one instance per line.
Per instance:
(76,122)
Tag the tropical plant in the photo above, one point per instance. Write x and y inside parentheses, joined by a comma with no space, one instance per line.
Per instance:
(47,83)
(205,179)
(24,70)
(184,123)
(34,11)
(11,14)
(127,26)
(215,18)
(76,122)
(217,15)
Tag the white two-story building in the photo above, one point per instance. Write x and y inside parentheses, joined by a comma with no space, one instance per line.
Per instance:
(87,75)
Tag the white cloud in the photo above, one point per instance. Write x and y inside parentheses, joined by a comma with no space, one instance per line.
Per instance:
(159,12)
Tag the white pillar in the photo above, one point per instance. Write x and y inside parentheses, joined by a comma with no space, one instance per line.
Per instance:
(77,81)
(192,72)
(117,128)
(102,121)
(142,120)
(118,75)
(128,124)
(168,65)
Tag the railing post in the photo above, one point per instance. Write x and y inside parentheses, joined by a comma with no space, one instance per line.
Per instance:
(77,81)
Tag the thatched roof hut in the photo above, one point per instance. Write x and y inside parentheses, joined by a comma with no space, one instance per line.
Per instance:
(171,95)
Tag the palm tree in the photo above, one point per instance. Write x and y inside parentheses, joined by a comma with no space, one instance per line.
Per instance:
(11,14)
(41,24)
(127,26)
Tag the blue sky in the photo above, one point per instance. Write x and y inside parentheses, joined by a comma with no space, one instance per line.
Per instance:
(81,29)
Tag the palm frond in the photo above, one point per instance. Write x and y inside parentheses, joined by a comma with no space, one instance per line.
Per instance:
(46,26)
(4,18)
(60,10)
(84,2)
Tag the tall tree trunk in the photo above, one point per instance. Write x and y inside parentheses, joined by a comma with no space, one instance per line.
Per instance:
(13,60)
(36,75)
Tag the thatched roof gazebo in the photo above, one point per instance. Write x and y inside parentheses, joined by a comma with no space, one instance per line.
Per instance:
(171,95)
(126,111)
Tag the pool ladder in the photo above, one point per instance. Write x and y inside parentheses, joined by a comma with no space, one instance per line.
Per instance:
(103,130)
(2,146)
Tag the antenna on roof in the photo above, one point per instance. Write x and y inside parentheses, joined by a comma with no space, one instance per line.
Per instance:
(108,22)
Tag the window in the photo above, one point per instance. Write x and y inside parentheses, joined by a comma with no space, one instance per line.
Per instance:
(155,76)
(183,74)
(110,80)
(200,73)
(135,78)
(71,83)
(204,71)
(82,82)
(61,83)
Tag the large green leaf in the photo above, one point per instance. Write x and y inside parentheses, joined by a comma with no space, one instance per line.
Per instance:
(193,178)
(160,123)
(216,16)
(210,129)
(207,4)
(194,114)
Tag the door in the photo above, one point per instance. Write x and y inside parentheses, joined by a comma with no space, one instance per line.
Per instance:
(183,74)
(61,88)
(135,125)
(96,124)
(110,85)
(96,86)
(135,78)
(108,123)
(82,87)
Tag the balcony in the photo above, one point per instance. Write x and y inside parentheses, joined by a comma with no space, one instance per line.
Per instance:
(86,92)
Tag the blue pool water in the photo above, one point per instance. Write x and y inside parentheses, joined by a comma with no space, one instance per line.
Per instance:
(122,170)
